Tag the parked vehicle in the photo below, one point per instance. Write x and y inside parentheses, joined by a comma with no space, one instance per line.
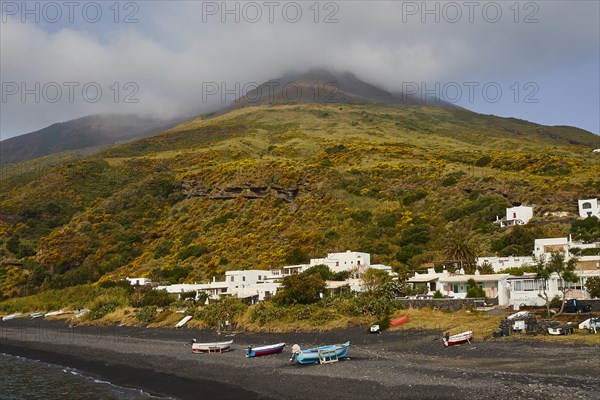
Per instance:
(573,306)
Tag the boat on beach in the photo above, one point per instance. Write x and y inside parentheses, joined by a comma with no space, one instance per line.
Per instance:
(399,321)
(264,350)
(183,321)
(211,347)
(459,338)
(323,354)
(561,330)
(11,316)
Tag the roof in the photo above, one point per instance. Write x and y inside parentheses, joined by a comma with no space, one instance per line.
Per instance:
(423,278)
(477,278)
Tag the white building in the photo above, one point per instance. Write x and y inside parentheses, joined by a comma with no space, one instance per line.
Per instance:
(139,281)
(338,262)
(589,208)
(545,248)
(501,263)
(525,290)
(519,215)
(255,284)
(455,285)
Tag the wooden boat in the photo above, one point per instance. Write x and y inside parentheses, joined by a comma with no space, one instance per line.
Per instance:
(183,321)
(264,350)
(212,347)
(459,338)
(323,354)
(11,316)
(399,321)
(561,330)
(520,314)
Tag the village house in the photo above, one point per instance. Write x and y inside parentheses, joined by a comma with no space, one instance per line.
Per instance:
(258,285)
(525,290)
(348,261)
(543,248)
(502,263)
(139,281)
(519,215)
(589,208)
(455,285)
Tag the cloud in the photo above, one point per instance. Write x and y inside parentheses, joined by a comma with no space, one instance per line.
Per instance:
(163,60)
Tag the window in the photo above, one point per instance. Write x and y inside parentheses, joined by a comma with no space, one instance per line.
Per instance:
(243,279)
(231,279)
(585,206)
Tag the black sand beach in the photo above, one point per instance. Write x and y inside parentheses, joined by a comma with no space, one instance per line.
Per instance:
(404,364)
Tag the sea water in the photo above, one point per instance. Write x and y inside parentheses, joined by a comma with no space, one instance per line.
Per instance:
(25,379)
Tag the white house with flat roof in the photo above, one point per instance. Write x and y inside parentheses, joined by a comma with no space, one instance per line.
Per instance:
(519,215)
(455,285)
(545,248)
(589,208)
(338,262)
(501,263)
(139,281)
(525,290)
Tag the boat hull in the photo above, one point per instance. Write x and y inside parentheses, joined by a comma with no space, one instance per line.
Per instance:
(265,350)
(311,356)
(561,330)
(215,347)
(460,338)
(399,321)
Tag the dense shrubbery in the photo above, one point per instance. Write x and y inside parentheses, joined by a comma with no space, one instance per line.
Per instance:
(218,312)
(145,296)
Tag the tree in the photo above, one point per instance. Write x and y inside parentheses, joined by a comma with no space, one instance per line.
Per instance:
(474,291)
(304,288)
(460,247)
(566,273)
(486,268)
(587,230)
(543,275)
(373,279)
(593,287)
(564,270)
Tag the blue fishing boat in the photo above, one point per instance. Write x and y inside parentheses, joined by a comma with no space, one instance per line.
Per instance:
(323,354)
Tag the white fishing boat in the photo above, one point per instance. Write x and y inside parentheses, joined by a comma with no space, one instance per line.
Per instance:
(520,314)
(459,338)
(211,347)
(11,316)
(55,313)
(183,321)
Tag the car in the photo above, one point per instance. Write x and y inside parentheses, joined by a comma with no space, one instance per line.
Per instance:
(573,306)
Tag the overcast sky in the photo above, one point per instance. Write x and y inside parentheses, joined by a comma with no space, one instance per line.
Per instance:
(537,60)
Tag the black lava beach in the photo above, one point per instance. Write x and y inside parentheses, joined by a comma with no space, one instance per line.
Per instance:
(402,364)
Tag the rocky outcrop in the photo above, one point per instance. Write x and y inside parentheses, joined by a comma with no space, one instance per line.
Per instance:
(248,190)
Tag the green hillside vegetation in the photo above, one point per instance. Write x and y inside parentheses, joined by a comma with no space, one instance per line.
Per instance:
(262,187)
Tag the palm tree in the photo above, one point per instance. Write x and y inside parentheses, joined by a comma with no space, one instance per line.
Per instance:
(460,246)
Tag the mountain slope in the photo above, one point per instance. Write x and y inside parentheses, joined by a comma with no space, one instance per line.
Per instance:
(86,133)
(266,186)
(323,86)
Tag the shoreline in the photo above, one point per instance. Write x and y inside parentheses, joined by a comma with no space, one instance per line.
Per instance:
(153,382)
(401,364)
